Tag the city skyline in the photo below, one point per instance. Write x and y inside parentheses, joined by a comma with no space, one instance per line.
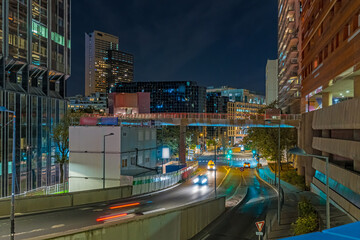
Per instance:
(203,41)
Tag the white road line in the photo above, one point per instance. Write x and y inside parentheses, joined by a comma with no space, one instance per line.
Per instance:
(86,208)
(58,226)
(22,233)
(228,170)
(153,211)
(208,235)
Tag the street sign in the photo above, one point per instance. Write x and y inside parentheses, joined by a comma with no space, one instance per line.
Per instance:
(259,233)
(260,225)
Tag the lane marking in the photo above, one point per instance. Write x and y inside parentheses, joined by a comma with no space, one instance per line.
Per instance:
(153,211)
(208,235)
(58,226)
(227,173)
(86,208)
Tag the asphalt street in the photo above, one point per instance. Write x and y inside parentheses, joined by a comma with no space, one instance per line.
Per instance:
(239,222)
(229,181)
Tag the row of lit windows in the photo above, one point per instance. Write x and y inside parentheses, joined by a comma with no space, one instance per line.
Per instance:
(43,31)
(344,34)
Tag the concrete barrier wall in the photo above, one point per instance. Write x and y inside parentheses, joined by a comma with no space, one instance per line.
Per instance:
(175,224)
(58,201)
(153,183)
(142,185)
(338,199)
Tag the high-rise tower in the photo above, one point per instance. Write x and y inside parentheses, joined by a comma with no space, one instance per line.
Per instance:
(288,54)
(97,45)
(35,62)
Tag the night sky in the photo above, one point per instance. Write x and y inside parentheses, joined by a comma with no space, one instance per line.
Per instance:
(213,42)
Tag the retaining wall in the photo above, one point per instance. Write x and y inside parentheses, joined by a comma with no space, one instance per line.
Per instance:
(175,224)
(66,200)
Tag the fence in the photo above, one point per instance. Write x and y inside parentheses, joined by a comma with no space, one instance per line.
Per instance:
(94,119)
(153,183)
(46,190)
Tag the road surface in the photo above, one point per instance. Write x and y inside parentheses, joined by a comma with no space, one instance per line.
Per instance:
(239,222)
(229,181)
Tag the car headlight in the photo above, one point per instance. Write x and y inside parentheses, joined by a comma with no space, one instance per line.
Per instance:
(196,180)
(208,167)
(204,180)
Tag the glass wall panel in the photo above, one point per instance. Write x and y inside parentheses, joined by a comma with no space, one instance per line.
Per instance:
(34,140)
(11,107)
(18,29)
(23,144)
(44,141)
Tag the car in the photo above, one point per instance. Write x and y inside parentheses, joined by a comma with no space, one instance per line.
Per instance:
(211,165)
(202,179)
(247,165)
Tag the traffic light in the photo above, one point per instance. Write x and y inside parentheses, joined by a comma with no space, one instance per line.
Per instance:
(254,153)
(228,156)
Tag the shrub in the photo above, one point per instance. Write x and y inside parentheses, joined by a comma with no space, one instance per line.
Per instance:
(305,224)
(305,208)
(307,221)
(293,178)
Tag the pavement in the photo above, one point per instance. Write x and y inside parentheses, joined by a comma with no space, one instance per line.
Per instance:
(229,183)
(289,213)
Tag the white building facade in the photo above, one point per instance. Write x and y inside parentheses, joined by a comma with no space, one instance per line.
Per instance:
(271,93)
(129,152)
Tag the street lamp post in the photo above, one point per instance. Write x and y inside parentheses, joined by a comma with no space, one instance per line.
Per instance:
(12,209)
(110,134)
(301,152)
(215,170)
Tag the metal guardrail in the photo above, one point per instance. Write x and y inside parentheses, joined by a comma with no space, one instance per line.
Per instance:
(197,116)
(46,190)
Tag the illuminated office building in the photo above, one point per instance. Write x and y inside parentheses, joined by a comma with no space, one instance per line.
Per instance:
(288,55)
(97,45)
(35,63)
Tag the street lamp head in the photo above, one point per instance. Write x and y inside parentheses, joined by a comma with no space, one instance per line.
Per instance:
(298,151)
(111,134)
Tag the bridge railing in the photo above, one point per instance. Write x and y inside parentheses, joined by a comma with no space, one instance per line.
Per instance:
(196,116)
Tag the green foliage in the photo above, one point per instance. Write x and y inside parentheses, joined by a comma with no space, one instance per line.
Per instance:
(307,221)
(305,224)
(293,178)
(305,208)
(170,136)
(265,140)
(60,135)
(270,106)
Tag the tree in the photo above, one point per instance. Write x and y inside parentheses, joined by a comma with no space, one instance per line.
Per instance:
(265,140)
(60,136)
(170,136)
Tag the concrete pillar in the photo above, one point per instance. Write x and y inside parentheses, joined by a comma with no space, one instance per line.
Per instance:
(357,86)
(182,143)
(326,99)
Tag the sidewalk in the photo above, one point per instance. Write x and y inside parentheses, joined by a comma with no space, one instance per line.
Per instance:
(289,214)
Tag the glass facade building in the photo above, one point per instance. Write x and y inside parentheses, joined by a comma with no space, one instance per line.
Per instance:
(120,67)
(35,63)
(181,96)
